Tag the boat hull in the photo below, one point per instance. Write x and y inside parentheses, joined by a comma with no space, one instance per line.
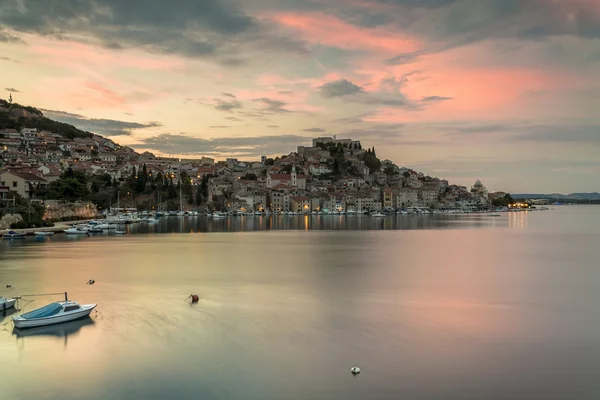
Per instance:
(5,304)
(22,323)
(43,233)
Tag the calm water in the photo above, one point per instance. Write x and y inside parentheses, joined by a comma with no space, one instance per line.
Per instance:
(428,308)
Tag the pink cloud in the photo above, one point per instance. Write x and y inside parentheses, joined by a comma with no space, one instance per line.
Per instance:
(331,31)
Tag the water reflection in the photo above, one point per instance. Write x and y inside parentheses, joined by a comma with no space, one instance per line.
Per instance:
(63,330)
(314,222)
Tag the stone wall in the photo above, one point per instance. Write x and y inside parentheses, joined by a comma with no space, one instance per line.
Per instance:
(9,219)
(61,211)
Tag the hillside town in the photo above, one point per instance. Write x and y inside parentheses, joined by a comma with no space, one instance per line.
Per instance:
(329,175)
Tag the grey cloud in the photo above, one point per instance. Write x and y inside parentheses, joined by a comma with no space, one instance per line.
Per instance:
(435,99)
(7,37)
(251,146)
(234,119)
(529,131)
(273,126)
(339,88)
(285,92)
(272,106)
(229,95)
(12,90)
(106,127)
(401,59)
(187,27)
(227,106)
(315,130)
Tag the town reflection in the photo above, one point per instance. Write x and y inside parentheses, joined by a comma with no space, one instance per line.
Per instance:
(316,222)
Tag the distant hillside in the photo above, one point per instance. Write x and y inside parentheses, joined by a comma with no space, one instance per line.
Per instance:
(29,117)
(559,196)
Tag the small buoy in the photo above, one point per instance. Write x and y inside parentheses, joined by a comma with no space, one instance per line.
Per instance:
(195,298)
(355,370)
(8,286)
(91,282)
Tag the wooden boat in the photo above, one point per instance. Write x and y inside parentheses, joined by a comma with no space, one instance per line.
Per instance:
(53,313)
(5,303)
(13,235)
(43,233)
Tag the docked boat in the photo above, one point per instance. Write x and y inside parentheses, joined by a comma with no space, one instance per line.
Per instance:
(75,231)
(120,232)
(219,215)
(5,303)
(43,233)
(53,313)
(152,220)
(94,230)
(13,235)
(378,215)
(93,222)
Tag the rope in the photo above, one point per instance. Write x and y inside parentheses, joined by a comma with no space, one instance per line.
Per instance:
(43,294)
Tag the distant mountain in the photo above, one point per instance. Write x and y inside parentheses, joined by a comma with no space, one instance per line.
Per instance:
(559,196)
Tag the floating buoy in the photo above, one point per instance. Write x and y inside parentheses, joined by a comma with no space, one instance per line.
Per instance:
(8,286)
(355,370)
(91,282)
(195,298)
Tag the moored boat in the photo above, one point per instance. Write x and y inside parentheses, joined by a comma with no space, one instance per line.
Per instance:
(42,233)
(120,232)
(75,231)
(13,235)
(378,214)
(53,313)
(5,303)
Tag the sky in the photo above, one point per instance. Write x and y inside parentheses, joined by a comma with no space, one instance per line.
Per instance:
(506,91)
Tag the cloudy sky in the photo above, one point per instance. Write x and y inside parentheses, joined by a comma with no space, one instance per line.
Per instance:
(507,91)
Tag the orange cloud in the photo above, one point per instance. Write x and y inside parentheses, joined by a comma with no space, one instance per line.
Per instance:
(329,30)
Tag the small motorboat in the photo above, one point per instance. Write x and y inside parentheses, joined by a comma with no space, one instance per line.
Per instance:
(75,231)
(5,303)
(53,313)
(13,235)
(42,233)
(120,232)
(378,215)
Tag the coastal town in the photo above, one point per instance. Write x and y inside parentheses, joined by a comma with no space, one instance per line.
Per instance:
(329,175)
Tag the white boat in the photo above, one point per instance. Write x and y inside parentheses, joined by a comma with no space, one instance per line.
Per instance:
(43,233)
(120,232)
(219,215)
(378,215)
(152,220)
(13,235)
(5,303)
(75,231)
(104,227)
(53,313)
(93,222)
